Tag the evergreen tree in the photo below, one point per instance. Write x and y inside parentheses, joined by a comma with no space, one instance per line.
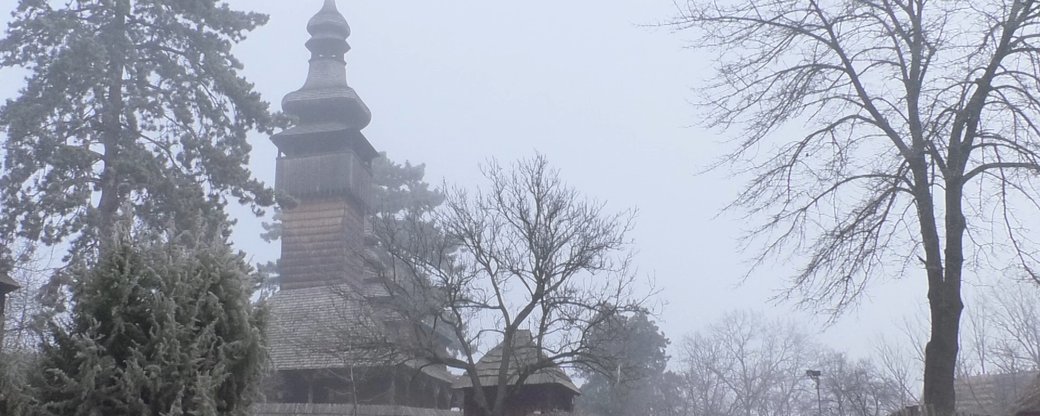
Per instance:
(16,368)
(400,187)
(157,329)
(629,376)
(132,109)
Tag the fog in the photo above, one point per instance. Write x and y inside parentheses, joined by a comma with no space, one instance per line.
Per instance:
(598,88)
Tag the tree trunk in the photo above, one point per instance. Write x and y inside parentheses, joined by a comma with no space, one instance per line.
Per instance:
(943,287)
(111,125)
(941,353)
(945,306)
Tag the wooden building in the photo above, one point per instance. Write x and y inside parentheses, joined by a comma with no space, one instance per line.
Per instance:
(7,285)
(331,329)
(545,390)
(991,394)
(1012,394)
(329,290)
(1029,404)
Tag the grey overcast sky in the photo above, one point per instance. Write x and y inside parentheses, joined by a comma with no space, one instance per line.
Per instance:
(587,83)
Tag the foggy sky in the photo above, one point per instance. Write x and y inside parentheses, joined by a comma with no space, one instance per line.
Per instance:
(590,84)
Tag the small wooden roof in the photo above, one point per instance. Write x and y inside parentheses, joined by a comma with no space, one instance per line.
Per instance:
(525,354)
(8,284)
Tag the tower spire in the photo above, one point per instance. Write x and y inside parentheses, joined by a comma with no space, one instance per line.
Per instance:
(324,175)
(330,114)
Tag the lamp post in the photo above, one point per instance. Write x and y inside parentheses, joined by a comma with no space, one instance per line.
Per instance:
(814,375)
(7,285)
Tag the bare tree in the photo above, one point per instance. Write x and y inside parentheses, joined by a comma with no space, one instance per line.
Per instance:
(529,253)
(1013,314)
(920,137)
(1002,341)
(858,388)
(900,367)
(747,365)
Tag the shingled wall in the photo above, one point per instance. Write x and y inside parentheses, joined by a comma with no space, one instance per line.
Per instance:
(321,243)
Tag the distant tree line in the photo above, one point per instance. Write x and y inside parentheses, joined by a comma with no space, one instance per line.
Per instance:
(747,364)
(742,364)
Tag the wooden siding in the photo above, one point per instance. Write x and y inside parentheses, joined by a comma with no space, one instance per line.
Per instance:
(992,394)
(340,173)
(545,399)
(322,242)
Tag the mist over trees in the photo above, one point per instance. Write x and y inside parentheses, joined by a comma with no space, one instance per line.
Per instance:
(528,254)
(628,376)
(744,363)
(1002,331)
(131,109)
(132,121)
(747,364)
(914,153)
(917,131)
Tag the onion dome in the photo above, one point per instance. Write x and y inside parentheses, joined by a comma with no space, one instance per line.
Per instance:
(329,113)
(328,24)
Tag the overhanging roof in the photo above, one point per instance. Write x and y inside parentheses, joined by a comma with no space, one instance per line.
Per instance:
(525,354)
(8,284)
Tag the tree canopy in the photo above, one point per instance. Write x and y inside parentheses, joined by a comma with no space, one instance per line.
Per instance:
(745,364)
(914,146)
(132,108)
(631,356)
(526,259)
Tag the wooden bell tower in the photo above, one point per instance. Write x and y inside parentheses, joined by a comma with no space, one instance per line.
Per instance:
(323,173)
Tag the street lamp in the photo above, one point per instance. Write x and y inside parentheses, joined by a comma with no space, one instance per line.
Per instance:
(814,375)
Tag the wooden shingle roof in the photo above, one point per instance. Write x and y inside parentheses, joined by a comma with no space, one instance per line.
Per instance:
(333,327)
(307,324)
(526,355)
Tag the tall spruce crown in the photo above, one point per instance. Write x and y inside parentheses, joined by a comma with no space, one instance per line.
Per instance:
(330,115)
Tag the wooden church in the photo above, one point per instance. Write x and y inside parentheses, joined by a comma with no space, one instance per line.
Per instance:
(331,326)
(329,291)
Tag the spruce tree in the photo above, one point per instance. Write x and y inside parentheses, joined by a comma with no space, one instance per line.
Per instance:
(629,371)
(132,108)
(157,328)
(16,368)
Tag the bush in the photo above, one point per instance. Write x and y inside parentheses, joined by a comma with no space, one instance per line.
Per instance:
(157,329)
